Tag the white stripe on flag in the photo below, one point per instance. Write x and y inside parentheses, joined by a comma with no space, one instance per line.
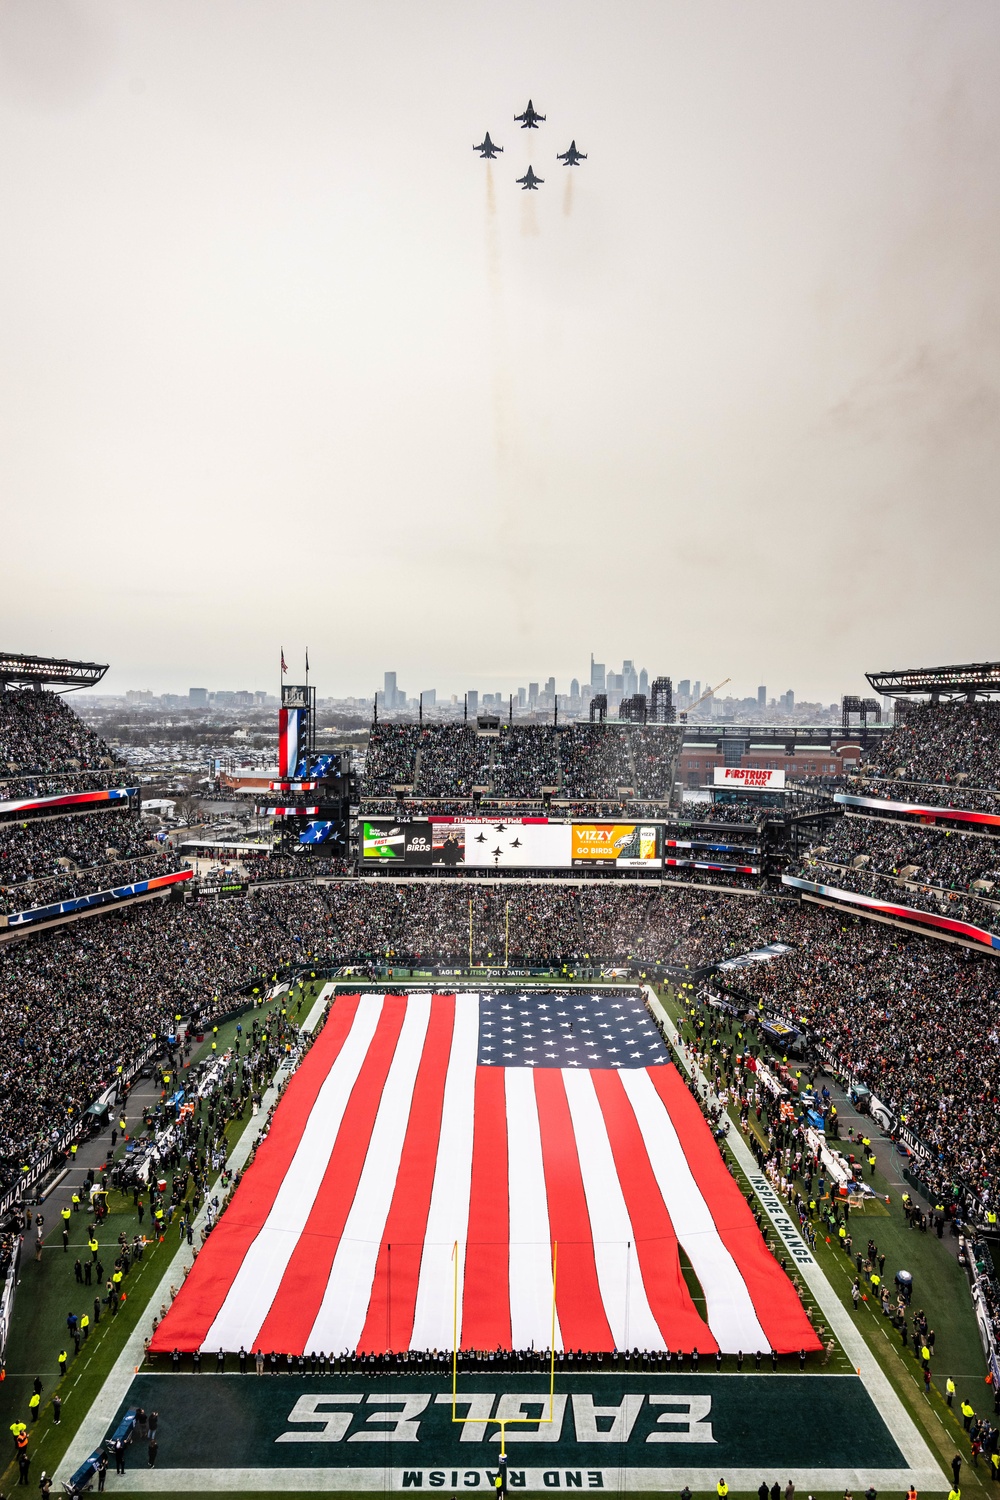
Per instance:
(530,1249)
(256,1283)
(630,1315)
(344,1309)
(729,1307)
(448,1217)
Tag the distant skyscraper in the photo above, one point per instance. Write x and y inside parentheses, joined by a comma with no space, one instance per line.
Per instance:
(762,697)
(684,689)
(550,687)
(522,694)
(596,675)
(788,699)
(198,697)
(390,690)
(574,688)
(473,699)
(429,696)
(532,694)
(644,681)
(630,679)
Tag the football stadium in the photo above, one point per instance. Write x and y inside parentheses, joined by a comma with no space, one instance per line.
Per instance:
(509,1099)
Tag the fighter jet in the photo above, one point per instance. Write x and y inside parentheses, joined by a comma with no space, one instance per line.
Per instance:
(571,157)
(529,120)
(529,180)
(486,148)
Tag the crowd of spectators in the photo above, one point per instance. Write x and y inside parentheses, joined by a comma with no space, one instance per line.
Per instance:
(740,812)
(526,760)
(654,754)
(916,1020)
(34,850)
(392,751)
(583,765)
(39,732)
(955,746)
(925,794)
(304,866)
(939,861)
(453,759)
(57,859)
(78,1002)
(596,762)
(70,885)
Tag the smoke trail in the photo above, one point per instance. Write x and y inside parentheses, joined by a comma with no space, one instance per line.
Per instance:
(508,529)
(529,219)
(501,381)
(568,194)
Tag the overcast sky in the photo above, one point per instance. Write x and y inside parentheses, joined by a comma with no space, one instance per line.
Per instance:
(284,363)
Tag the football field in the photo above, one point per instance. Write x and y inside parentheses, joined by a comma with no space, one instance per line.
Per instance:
(646,1241)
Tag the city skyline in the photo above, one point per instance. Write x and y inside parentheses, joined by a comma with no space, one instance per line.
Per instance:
(685,690)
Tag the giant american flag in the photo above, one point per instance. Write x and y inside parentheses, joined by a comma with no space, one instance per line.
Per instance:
(428,1135)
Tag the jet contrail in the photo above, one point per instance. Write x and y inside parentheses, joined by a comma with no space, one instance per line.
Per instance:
(501,383)
(508,532)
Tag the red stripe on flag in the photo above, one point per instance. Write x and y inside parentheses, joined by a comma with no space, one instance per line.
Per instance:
(582,1319)
(486,1289)
(389,1322)
(213,1273)
(297,1301)
(655,1240)
(775,1300)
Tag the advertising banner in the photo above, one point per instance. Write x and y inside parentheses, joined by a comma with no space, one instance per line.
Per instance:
(68,799)
(418,845)
(383,841)
(953,925)
(96,898)
(920,810)
(747,776)
(627,844)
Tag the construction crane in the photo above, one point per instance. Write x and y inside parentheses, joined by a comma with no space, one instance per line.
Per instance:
(709,693)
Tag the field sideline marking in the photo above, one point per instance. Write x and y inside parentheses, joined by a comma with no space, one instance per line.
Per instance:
(312,1019)
(873,1377)
(377,1478)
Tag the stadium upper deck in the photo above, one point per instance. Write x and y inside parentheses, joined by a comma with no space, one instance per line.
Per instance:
(69,834)
(529,764)
(917,844)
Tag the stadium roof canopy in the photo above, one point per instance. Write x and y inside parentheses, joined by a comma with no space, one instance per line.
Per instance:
(42,671)
(979,679)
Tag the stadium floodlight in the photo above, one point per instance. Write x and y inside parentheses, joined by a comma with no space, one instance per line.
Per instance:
(976,679)
(37,671)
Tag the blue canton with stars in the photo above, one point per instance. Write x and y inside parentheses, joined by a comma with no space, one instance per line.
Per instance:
(567,1031)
